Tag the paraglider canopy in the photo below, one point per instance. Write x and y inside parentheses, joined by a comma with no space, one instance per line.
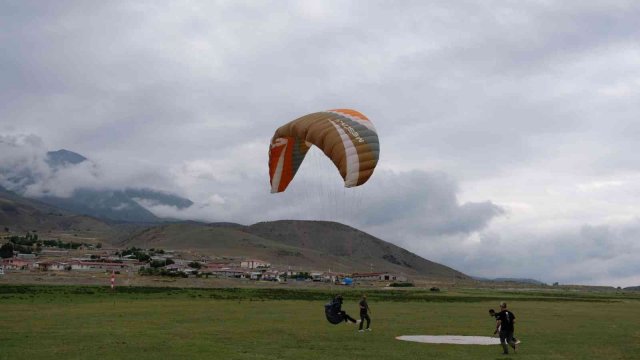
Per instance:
(346,136)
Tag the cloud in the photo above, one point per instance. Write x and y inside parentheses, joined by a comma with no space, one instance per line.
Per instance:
(589,254)
(412,203)
(502,123)
(22,161)
(423,203)
(24,168)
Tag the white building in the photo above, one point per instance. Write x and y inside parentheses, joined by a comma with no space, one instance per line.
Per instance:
(51,265)
(228,272)
(15,264)
(254,264)
(378,276)
(98,266)
(270,275)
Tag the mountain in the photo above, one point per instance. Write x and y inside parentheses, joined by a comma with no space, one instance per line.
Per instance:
(19,215)
(364,252)
(310,245)
(299,245)
(104,204)
(63,157)
(124,205)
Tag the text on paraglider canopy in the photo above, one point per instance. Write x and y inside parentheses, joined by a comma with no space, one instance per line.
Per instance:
(349,129)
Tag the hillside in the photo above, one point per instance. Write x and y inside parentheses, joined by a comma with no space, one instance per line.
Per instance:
(310,245)
(365,252)
(19,215)
(303,245)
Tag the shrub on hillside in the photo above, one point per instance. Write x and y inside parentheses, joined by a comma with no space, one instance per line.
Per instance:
(401,284)
(6,250)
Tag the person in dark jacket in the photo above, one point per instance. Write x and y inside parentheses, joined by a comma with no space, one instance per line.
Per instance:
(364,313)
(494,315)
(505,320)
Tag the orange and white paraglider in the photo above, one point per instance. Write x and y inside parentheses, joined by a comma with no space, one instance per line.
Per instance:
(346,136)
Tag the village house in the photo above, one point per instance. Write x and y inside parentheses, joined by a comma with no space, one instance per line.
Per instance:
(326,276)
(98,266)
(270,275)
(16,264)
(317,276)
(217,266)
(52,265)
(170,267)
(228,272)
(290,273)
(118,258)
(161,257)
(175,268)
(254,264)
(377,276)
(180,261)
(131,260)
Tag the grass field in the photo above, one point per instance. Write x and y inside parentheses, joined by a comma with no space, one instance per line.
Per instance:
(75,322)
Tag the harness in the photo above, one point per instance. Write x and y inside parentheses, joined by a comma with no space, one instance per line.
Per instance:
(332,312)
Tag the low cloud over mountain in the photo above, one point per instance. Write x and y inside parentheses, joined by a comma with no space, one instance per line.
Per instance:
(70,181)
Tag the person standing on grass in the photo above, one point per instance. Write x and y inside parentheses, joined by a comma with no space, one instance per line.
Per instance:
(364,313)
(504,326)
(494,314)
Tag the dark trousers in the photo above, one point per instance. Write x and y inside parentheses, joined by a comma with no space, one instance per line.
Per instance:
(347,317)
(507,337)
(363,317)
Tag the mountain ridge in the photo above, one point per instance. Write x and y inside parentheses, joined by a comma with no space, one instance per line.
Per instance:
(319,245)
(304,245)
(124,204)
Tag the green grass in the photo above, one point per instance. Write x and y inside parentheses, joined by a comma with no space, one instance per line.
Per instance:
(71,322)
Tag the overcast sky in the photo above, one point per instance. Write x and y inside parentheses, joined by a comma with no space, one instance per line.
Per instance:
(508,129)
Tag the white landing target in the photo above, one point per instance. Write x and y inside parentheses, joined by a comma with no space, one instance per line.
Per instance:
(451,339)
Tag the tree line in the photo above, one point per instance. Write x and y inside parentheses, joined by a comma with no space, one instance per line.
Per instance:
(30,243)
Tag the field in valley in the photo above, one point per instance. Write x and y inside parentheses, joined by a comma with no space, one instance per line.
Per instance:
(81,322)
